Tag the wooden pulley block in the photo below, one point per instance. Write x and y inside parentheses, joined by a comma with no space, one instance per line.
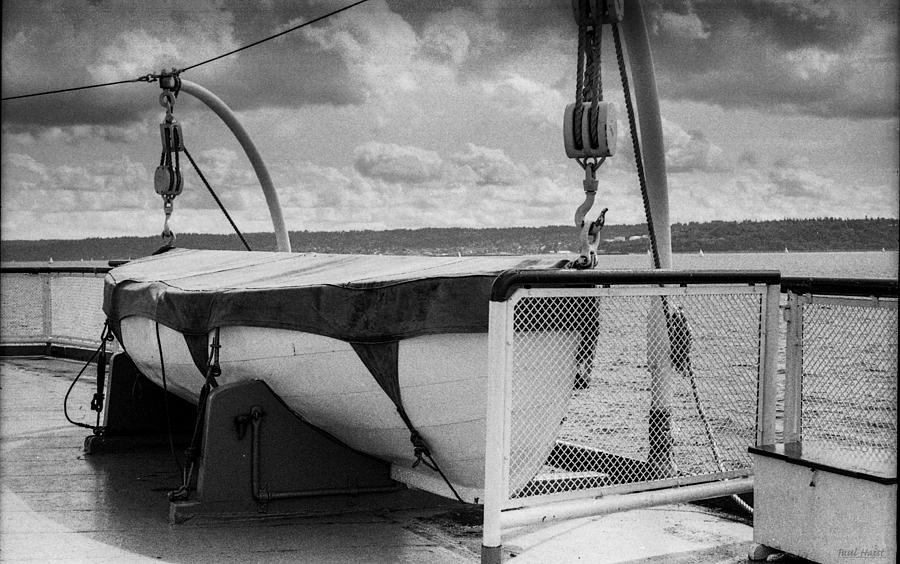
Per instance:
(580,141)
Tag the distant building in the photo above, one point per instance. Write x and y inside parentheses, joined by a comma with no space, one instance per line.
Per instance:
(638,237)
(615,240)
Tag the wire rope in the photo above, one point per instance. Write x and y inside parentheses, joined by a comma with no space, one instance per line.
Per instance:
(218,201)
(153,77)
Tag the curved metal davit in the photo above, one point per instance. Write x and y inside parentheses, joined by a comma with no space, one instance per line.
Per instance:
(221,109)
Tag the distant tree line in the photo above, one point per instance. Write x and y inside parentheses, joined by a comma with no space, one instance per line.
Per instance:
(820,234)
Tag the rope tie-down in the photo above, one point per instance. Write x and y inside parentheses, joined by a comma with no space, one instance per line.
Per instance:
(192,454)
(99,397)
(589,124)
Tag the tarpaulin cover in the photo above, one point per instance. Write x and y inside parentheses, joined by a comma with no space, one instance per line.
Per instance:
(369,301)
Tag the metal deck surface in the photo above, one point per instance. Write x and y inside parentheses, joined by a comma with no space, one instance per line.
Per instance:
(60,505)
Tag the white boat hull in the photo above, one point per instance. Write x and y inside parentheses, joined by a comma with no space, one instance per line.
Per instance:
(442,380)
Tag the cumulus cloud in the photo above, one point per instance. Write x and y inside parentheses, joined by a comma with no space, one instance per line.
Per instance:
(396,163)
(32,186)
(376,44)
(785,187)
(690,150)
(786,56)
(54,45)
(446,41)
(76,134)
(682,26)
(791,180)
(489,166)
(538,103)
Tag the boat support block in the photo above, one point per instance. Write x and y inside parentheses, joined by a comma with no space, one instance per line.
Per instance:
(132,416)
(259,458)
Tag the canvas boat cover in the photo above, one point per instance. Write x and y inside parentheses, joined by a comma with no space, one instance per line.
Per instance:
(372,302)
(355,298)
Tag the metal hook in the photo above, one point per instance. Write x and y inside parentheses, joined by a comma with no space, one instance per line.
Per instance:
(590,239)
(167,232)
(590,187)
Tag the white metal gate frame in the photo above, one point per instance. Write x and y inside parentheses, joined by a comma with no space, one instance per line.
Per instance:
(844,381)
(501,512)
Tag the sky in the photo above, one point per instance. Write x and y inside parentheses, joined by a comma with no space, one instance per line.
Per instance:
(412,113)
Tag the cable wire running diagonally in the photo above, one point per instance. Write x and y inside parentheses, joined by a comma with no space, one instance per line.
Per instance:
(139,79)
(154,77)
(218,201)
(255,43)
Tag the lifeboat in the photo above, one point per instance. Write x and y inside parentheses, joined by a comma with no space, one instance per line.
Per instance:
(366,348)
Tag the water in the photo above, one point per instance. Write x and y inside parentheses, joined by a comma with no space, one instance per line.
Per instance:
(821,264)
(862,264)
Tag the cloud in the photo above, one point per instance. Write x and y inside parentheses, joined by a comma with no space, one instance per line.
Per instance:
(683,26)
(489,166)
(376,44)
(32,186)
(76,134)
(58,44)
(52,45)
(828,58)
(538,103)
(690,150)
(446,41)
(395,163)
(784,56)
(792,180)
(785,188)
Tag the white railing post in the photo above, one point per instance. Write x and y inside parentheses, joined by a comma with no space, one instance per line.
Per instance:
(793,372)
(46,308)
(496,457)
(768,352)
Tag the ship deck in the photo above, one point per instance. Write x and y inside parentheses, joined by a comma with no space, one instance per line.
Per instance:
(60,505)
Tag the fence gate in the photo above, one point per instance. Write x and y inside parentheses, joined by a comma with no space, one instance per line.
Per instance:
(616,390)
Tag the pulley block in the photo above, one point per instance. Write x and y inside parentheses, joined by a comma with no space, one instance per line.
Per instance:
(170,133)
(590,133)
(167,181)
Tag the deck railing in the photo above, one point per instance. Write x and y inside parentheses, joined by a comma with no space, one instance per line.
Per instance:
(51,306)
(686,371)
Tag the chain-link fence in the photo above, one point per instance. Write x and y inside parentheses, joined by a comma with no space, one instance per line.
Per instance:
(842,371)
(654,380)
(51,306)
(635,406)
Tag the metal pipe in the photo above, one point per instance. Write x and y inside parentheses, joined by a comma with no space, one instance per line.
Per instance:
(261,496)
(222,110)
(640,61)
(767,391)
(793,369)
(497,424)
(626,502)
